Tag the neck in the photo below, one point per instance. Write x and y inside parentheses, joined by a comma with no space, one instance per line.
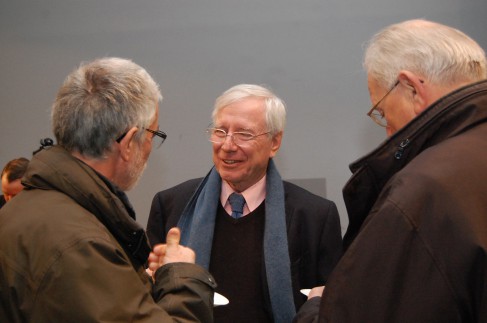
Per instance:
(104,165)
(440,91)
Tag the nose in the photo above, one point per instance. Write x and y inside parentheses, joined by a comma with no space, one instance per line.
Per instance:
(229,143)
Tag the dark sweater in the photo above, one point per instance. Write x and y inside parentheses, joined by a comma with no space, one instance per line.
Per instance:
(237,263)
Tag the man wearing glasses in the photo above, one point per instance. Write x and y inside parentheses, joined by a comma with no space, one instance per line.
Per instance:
(416,245)
(262,238)
(71,250)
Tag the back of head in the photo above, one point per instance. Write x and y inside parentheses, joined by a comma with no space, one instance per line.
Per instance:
(99,101)
(443,55)
(274,106)
(15,169)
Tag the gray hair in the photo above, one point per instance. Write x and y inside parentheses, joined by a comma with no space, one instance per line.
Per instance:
(99,101)
(275,110)
(443,55)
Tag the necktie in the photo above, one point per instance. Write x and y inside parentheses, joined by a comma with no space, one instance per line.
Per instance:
(237,202)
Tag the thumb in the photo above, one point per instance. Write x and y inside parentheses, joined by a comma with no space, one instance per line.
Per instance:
(173,237)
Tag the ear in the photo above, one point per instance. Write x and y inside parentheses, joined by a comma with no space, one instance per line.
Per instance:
(276,143)
(417,87)
(127,144)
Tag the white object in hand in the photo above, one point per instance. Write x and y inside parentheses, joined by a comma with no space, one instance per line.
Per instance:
(305,291)
(219,300)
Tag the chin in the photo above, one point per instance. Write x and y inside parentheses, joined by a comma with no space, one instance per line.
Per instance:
(230,178)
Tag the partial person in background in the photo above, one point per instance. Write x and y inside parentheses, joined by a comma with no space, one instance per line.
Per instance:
(416,245)
(71,250)
(11,175)
(281,239)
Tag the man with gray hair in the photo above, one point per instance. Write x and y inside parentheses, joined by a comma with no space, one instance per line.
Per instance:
(264,239)
(416,245)
(71,250)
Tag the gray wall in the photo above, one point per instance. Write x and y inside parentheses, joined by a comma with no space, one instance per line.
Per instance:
(308,51)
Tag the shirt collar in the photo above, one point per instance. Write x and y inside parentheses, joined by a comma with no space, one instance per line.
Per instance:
(254,195)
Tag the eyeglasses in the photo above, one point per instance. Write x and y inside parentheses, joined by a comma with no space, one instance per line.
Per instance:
(377,114)
(240,138)
(158,137)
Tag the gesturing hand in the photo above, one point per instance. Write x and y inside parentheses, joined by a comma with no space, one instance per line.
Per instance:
(171,251)
(316,292)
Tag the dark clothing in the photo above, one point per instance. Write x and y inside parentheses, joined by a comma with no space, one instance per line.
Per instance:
(71,251)
(237,259)
(2,201)
(417,239)
(313,231)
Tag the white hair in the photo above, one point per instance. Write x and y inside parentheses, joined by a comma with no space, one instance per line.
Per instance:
(275,110)
(441,54)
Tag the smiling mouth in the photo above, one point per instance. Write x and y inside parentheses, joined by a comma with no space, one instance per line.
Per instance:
(230,161)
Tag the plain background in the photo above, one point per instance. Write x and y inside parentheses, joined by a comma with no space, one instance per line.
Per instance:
(309,52)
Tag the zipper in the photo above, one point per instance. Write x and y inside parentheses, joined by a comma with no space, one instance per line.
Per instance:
(400,149)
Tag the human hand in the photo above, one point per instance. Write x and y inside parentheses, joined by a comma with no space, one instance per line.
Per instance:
(316,292)
(170,252)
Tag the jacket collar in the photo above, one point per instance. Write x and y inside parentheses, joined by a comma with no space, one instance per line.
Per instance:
(54,168)
(447,117)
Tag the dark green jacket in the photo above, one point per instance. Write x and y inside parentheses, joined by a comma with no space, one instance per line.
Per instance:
(71,251)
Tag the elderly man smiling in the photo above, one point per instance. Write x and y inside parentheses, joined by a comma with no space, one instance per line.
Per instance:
(262,238)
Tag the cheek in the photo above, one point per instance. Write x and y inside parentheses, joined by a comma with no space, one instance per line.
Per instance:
(389,131)
(260,158)
(147,150)
(215,150)
(403,119)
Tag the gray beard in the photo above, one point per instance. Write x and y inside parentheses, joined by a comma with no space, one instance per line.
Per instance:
(136,169)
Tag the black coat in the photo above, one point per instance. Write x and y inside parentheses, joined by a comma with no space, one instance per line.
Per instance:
(314,234)
(417,239)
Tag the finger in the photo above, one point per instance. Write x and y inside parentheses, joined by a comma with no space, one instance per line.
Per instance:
(173,237)
(153,257)
(159,249)
(153,266)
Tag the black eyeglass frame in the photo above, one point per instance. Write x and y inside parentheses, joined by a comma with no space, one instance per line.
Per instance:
(159,133)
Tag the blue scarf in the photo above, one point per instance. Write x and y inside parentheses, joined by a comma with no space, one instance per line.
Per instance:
(197,224)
